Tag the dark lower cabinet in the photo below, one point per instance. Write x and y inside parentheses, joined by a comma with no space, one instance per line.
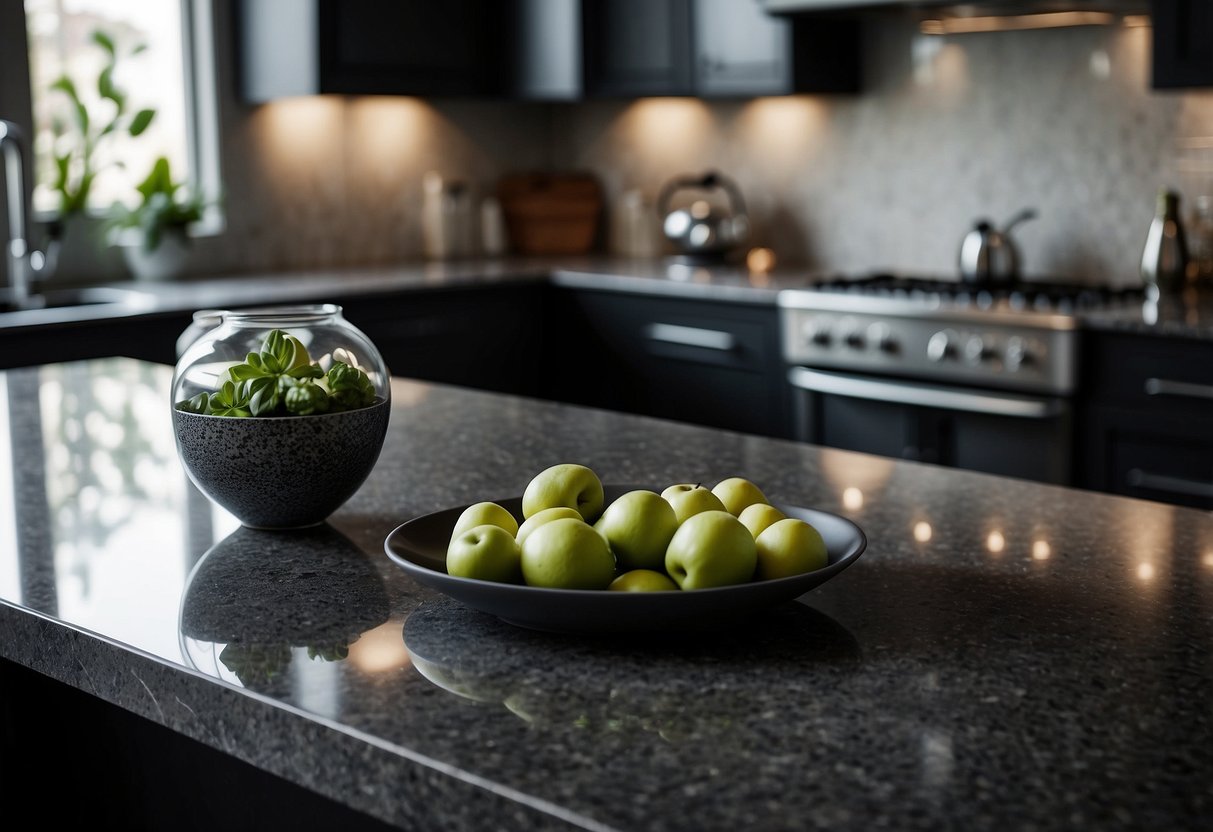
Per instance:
(486,337)
(105,768)
(1147,418)
(148,337)
(704,362)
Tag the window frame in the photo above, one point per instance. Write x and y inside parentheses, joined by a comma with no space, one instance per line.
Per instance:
(201,113)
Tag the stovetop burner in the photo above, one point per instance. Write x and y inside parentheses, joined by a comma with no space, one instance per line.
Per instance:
(1027,296)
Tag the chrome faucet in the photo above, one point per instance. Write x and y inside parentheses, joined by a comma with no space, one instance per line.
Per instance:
(23,261)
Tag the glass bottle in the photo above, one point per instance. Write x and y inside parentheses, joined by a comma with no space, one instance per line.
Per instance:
(1164,262)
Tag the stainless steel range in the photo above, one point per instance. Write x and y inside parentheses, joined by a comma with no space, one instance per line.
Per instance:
(973,376)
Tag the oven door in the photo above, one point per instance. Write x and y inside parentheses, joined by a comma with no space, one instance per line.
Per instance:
(998,433)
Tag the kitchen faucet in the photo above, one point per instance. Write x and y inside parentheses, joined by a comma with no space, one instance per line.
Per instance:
(23,262)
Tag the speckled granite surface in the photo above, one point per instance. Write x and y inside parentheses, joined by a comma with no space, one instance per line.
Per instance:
(1184,315)
(1006,655)
(1190,316)
(662,277)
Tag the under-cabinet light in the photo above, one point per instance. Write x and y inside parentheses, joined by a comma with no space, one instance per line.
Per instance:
(1007,23)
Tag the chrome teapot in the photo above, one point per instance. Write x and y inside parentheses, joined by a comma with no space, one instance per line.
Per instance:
(702,229)
(988,255)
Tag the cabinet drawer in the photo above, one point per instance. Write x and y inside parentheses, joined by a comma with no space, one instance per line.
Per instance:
(1162,375)
(703,362)
(1154,456)
(1164,468)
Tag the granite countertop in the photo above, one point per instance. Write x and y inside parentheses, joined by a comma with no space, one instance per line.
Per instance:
(1187,314)
(1004,655)
(728,283)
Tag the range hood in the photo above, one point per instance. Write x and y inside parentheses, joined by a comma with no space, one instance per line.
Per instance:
(971,8)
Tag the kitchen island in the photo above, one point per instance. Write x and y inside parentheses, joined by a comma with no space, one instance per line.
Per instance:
(1004,655)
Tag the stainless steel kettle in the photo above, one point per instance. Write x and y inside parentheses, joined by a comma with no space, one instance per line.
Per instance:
(703,229)
(988,255)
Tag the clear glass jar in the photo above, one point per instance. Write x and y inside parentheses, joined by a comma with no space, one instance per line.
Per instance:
(321,328)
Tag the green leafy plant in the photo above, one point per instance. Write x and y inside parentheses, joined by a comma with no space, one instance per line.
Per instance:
(77,140)
(163,205)
(282,380)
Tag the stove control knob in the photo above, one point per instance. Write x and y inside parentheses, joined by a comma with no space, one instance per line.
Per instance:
(1017,354)
(976,350)
(851,335)
(817,332)
(880,335)
(942,345)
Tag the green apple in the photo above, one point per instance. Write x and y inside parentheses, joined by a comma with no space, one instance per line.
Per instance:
(638,525)
(688,499)
(789,547)
(546,516)
(710,549)
(736,493)
(570,485)
(482,514)
(487,553)
(758,516)
(643,580)
(567,554)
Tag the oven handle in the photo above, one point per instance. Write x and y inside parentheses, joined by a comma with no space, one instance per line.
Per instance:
(925,395)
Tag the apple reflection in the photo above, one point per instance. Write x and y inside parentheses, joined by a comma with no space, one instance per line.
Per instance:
(259,600)
(608,686)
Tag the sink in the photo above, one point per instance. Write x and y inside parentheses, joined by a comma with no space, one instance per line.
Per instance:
(128,299)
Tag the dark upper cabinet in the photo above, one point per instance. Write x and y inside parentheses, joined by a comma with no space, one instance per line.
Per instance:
(539,49)
(637,47)
(411,47)
(714,49)
(408,47)
(1183,43)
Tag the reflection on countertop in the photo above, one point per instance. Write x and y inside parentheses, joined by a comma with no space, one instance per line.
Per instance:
(1185,314)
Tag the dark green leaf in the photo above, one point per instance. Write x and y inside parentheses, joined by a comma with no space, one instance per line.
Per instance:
(103,40)
(263,395)
(349,387)
(106,89)
(277,352)
(141,120)
(197,404)
(304,398)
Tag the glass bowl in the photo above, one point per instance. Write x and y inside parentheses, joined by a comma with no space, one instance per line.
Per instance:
(280,469)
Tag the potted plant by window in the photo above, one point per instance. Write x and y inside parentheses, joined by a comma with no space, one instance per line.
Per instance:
(155,233)
(83,128)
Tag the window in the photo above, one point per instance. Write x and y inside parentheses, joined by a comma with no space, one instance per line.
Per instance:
(164,61)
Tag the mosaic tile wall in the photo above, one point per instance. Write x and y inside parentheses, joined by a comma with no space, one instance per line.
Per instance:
(948,130)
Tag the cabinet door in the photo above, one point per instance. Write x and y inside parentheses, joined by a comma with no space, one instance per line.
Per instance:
(1183,43)
(1168,458)
(706,363)
(740,49)
(487,338)
(637,47)
(411,47)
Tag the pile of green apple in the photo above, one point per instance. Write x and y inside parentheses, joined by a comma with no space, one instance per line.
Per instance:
(687,537)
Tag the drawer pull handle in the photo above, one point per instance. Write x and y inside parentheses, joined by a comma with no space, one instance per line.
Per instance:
(1166,387)
(1171,485)
(690,336)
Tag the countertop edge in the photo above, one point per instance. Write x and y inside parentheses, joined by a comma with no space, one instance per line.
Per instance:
(110,674)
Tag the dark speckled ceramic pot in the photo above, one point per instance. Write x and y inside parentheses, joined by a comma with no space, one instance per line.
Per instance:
(281,472)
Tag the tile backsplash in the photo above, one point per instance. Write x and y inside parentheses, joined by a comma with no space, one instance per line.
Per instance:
(948,130)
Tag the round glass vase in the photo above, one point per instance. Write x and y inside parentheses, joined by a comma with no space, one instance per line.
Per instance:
(279,471)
